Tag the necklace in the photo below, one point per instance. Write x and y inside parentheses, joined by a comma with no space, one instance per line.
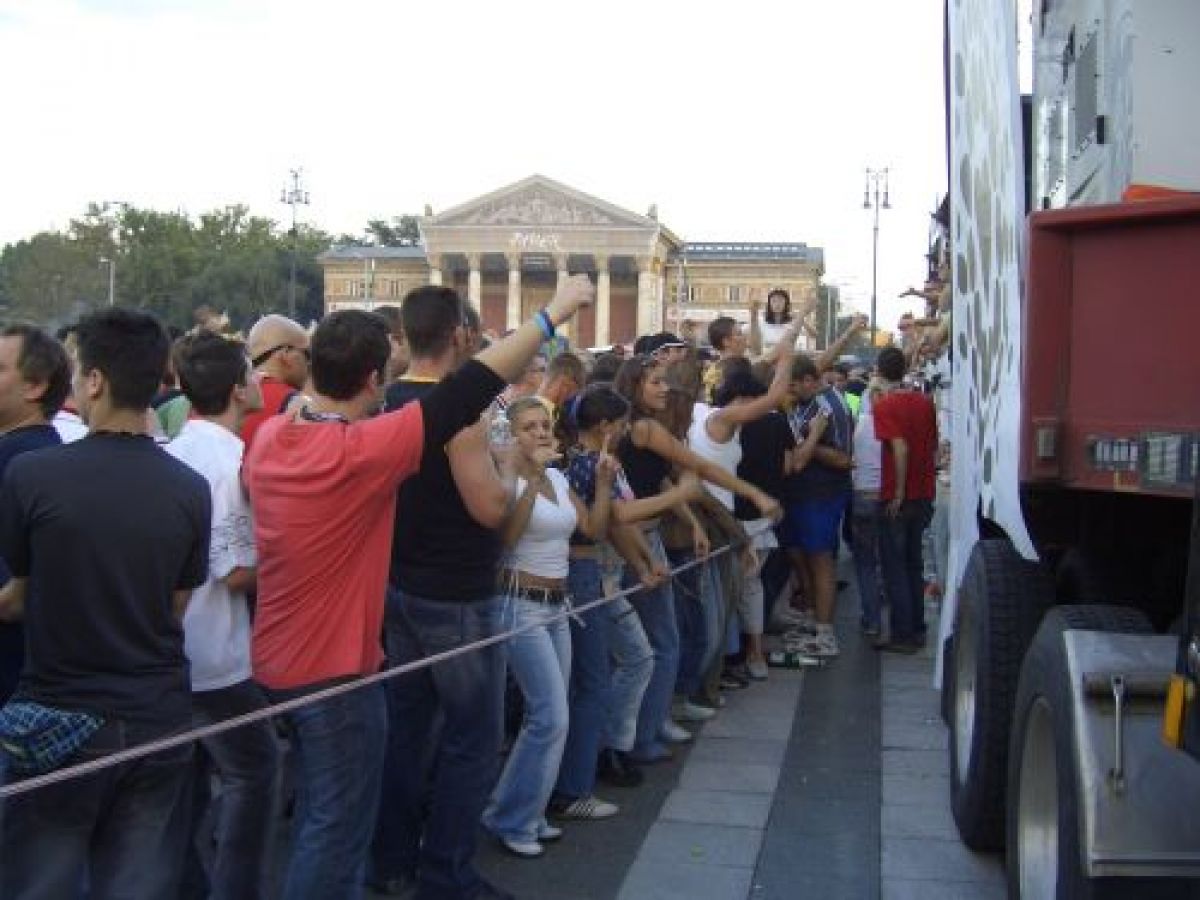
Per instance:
(309,415)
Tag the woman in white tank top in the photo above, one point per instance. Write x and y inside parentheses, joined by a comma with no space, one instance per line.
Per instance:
(537,534)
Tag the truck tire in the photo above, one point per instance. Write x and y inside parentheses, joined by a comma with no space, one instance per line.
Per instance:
(947,698)
(1043,858)
(1000,604)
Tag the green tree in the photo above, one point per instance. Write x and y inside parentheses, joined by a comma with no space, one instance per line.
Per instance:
(401,231)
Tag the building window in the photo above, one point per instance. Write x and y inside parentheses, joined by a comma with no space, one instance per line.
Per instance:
(734,294)
(694,293)
(352,288)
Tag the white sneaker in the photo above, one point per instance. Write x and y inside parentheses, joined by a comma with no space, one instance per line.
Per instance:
(692,712)
(586,808)
(548,833)
(523,849)
(673,733)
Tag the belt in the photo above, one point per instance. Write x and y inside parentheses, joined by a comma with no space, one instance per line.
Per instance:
(548,596)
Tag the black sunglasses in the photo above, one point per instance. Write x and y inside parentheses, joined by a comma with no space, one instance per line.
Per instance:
(267,354)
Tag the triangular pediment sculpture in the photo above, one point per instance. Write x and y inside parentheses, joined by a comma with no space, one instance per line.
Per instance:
(536,202)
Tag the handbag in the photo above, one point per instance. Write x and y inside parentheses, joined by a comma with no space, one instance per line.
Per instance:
(36,739)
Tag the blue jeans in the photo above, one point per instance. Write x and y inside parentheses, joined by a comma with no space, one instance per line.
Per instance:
(437,780)
(246,762)
(121,830)
(903,567)
(656,610)
(338,746)
(865,521)
(540,660)
(691,619)
(611,663)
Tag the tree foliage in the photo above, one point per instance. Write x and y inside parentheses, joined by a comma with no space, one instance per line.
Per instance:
(170,263)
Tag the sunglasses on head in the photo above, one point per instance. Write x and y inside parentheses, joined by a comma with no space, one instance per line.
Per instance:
(267,354)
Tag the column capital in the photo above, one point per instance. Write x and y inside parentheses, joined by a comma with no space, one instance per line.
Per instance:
(474,259)
(514,261)
(645,263)
(560,260)
(434,260)
(601,261)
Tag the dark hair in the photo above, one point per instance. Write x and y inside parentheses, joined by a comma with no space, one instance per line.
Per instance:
(890,363)
(803,367)
(391,315)
(629,379)
(720,330)
(209,368)
(642,345)
(738,385)
(43,361)
(565,365)
(430,314)
(65,331)
(685,375)
(346,348)
(677,417)
(605,368)
(769,314)
(129,348)
(597,404)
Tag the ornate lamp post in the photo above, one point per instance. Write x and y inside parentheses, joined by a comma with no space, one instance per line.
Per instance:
(871,199)
(293,196)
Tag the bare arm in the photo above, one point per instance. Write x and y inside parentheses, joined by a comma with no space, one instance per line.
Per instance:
(651,434)
(800,457)
(651,507)
(722,424)
(518,517)
(179,603)
(241,579)
(508,357)
(593,522)
(12,600)
(755,342)
(826,360)
(900,462)
(482,488)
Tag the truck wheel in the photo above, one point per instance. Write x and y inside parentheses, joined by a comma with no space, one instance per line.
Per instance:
(1000,603)
(1044,861)
(947,698)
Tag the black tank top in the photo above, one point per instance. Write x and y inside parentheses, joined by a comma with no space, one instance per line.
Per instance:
(644,469)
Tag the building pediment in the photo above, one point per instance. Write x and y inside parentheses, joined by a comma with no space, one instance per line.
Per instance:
(539,202)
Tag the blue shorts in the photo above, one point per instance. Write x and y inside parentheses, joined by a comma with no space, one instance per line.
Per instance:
(814,525)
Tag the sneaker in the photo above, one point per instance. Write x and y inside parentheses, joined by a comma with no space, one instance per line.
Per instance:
(523,849)
(585,808)
(687,711)
(730,683)
(673,733)
(822,646)
(800,632)
(656,754)
(757,669)
(781,659)
(617,769)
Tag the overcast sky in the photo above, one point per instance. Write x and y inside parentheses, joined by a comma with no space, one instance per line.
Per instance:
(741,121)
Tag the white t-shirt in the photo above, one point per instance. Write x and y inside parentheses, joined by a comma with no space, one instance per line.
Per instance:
(216,626)
(69,426)
(772,333)
(867,473)
(544,546)
(726,455)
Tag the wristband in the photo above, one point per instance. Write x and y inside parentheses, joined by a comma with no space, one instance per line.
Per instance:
(542,318)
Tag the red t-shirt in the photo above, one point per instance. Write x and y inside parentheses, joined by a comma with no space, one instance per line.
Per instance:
(274,393)
(909,415)
(324,497)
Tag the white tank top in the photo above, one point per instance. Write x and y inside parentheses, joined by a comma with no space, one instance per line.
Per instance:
(544,547)
(726,455)
(867,473)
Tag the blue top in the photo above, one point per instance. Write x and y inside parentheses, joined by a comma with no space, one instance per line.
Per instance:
(817,481)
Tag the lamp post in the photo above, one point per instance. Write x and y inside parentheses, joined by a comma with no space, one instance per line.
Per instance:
(112,278)
(875,177)
(293,196)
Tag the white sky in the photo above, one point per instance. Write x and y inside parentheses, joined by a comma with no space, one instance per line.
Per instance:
(743,121)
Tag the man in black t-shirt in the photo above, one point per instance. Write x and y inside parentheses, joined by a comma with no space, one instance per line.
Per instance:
(106,538)
(35,378)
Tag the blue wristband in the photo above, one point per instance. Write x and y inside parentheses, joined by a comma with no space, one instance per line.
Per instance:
(544,323)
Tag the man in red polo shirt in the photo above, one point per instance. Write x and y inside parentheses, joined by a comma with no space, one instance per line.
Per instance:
(323,483)
(278,349)
(906,424)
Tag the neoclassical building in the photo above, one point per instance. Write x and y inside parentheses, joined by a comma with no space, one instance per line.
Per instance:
(507,251)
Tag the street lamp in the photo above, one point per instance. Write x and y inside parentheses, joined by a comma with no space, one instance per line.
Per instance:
(875,177)
(112,278)
(293,196)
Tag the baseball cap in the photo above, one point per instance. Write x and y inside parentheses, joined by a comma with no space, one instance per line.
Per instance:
(664,340)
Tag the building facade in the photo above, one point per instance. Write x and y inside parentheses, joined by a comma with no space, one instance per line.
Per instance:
(507,251)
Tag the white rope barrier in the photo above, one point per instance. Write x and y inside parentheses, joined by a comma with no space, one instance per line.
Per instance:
(186,737)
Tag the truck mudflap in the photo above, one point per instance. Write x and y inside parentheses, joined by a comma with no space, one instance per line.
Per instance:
(1138,796)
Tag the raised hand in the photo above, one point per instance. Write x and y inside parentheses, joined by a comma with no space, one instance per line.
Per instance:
(574,294)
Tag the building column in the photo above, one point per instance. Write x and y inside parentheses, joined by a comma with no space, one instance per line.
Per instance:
(648,319)
(660,286)
(512,316)
(566,329)
(435,268)
(474,282)
(603,300)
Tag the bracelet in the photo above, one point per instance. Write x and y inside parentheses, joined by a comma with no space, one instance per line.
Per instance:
(542,318)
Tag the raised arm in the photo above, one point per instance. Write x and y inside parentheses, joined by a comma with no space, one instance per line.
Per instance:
(723,422)
(755,342)
(826,360)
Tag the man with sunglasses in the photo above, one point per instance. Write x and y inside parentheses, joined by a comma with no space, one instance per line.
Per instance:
(278,349)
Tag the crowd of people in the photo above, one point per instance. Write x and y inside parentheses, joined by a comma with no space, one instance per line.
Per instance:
(198,529)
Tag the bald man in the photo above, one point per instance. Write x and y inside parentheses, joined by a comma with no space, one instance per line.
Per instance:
(278,349)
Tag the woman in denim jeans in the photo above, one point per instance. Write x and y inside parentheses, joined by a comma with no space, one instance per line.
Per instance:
(536,534)
(649,454)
